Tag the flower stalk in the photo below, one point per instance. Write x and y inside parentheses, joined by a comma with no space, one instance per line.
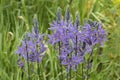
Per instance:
(28,66)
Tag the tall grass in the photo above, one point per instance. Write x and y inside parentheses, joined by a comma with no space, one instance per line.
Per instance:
(105,67)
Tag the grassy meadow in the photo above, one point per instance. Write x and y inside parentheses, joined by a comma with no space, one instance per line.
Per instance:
(16,18)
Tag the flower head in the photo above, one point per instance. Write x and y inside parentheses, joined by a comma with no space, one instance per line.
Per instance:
(65,32)
(93,34)
(32,46)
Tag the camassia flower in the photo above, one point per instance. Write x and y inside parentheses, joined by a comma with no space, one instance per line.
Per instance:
(32,45)
(93,34)
(75,40)
(65,32)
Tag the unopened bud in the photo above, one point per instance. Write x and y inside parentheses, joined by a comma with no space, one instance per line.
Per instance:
(20,17)
(67,14)
(10,36)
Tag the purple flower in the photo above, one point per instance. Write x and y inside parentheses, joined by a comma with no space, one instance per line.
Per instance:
(93,34)
(59,15)
(67,15)
(22,51)
(20,63)
(65,33)
(75,40)
(36,30)
(32,47)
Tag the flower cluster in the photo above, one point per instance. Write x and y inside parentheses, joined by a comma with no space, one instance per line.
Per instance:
(93,34)
(32,47)
(75,40)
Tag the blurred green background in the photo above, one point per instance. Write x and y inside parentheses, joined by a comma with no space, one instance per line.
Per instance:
(16,17)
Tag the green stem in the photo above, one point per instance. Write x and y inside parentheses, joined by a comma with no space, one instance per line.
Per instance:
(88,61)
(70,73)
(22,75)
(28,63)
(60,61)
(38,70)
(82,71)
(67,75)
(76,54)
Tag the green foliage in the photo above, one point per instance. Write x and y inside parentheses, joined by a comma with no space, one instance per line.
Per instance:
(16,17)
